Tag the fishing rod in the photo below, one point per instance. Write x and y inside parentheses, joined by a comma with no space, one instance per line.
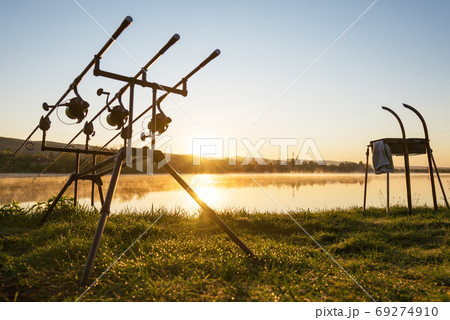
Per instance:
(125,23)
(117,96)
(183,81)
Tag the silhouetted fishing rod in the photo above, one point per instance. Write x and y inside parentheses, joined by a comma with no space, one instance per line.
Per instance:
(164,96)
(119,93)
(125,23)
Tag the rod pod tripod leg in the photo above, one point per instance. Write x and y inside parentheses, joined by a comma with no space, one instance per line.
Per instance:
(158,158)
(55,201)
(104,213)
(73,178)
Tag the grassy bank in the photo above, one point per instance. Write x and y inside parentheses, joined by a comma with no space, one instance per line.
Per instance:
(187,258)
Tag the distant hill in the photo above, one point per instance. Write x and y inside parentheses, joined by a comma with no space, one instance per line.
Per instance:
(32,147)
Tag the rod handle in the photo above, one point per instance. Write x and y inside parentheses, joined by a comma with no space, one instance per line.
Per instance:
(125,23)
(212,56)
(170,43)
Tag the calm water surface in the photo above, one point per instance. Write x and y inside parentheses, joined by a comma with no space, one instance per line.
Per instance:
(261,192)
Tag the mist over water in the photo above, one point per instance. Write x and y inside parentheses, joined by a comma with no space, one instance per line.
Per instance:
(262,192)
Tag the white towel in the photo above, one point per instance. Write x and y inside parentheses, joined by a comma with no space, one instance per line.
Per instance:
(382,158)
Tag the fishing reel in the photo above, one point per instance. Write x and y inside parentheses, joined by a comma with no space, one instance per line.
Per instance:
(77,108)
(118,115)
(162,124)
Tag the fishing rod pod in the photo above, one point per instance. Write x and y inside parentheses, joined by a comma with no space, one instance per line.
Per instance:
(141,73)
(125,23)
(77,108)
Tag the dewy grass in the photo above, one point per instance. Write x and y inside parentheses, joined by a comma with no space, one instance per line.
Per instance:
(186,257)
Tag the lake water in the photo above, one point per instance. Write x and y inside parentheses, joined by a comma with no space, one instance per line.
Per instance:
(260,192)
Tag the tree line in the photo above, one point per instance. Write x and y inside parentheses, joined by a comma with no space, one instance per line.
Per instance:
(35,163)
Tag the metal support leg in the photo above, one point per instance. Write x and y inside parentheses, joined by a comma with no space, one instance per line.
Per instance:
(100,193)
(387,193)
(158,156)
(60,194)
(408,178)
(430,170)
(429,152)
(153,133)
(440,182)
(104,213)
(365,178)
(77,171)
(94,159)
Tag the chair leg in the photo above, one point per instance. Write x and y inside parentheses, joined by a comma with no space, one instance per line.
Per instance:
(387,193)
(365,179)
(408,180)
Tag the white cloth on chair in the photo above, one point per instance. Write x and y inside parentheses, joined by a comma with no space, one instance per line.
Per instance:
(382,158)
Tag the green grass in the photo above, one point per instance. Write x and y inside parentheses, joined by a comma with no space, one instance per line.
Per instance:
(186,257)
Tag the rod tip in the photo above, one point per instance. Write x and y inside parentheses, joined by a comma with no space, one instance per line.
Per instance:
(217,51)
(176,36)
(129,19)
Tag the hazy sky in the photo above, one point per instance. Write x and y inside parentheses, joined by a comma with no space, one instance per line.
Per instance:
(399,51)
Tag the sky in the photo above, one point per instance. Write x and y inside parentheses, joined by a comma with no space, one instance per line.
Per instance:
(295,70)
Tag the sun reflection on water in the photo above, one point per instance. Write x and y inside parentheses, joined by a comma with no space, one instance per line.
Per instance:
(207,190)
(209,195)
